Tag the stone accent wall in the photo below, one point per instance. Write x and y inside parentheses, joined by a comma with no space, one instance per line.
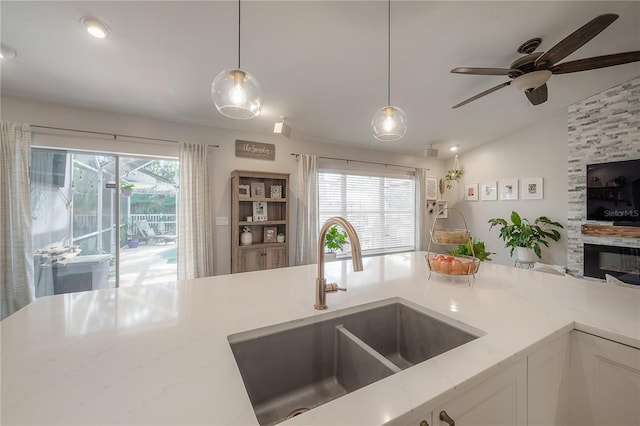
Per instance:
(602,128)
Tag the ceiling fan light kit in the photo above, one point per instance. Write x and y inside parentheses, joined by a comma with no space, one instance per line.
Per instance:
(235,92)
(531,72)
(531,81)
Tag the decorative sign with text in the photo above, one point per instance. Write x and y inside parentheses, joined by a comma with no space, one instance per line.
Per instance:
(255,150)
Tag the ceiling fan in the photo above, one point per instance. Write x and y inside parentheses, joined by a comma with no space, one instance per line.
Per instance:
(531,72)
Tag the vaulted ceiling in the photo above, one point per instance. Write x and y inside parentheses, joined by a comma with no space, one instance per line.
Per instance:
(322,64)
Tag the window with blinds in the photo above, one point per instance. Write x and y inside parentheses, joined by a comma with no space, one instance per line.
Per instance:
(380,208)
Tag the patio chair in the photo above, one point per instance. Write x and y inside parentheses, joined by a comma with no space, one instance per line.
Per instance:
(149,234)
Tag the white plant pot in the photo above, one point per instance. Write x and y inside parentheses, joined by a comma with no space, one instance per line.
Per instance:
(246,238)
(524,254)
(330,257)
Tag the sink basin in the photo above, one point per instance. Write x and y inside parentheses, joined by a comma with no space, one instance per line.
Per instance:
(292,367)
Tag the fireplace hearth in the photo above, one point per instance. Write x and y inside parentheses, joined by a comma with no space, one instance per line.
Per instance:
(620,262)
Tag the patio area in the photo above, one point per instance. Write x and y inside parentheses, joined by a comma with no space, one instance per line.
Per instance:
(147,264)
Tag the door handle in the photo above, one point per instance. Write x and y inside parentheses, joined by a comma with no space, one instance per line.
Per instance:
(424,423)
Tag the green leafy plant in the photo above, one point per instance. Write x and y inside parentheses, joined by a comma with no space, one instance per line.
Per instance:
(335,239)
(521,233)
(453,174)
(479,250)
(126,185)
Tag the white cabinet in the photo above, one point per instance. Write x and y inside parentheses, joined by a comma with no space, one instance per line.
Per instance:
(548,383)
(605,382)
(500,399)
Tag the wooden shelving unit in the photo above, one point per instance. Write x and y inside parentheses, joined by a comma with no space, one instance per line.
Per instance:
(259,255)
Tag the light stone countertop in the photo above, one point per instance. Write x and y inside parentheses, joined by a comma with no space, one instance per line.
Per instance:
(159,354)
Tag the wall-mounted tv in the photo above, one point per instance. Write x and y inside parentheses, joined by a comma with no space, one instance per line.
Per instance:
(613,191)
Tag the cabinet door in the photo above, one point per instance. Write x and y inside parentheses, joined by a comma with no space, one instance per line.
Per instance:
(498,400)
(251,260)
(548,383)
(605,382)
(276,257)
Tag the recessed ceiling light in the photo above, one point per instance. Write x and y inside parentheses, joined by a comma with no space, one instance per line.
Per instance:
(96,28)
(453,148)
(7,52)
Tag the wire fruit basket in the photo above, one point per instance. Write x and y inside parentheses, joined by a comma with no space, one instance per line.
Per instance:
(447,264)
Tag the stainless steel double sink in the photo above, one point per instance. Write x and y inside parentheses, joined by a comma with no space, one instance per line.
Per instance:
(293,367)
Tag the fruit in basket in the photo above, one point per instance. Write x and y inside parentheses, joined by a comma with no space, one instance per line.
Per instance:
(457,268)
(471,267)
(445,267)
(435,264)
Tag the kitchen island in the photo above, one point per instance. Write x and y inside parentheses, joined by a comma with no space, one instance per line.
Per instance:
(159,354)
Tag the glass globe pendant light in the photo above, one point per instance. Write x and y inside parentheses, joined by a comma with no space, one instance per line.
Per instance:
(390,122)
(235,92)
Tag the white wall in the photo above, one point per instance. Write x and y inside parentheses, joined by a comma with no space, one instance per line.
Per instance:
(537,151)
(223,160)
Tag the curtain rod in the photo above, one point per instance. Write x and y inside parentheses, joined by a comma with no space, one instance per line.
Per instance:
(114,135)
(362,161)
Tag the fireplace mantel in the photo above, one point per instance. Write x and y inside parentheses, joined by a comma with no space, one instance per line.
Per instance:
(611,231)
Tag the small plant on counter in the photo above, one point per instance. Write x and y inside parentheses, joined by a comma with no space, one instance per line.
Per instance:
(479,250)
(521,233)
(335,239)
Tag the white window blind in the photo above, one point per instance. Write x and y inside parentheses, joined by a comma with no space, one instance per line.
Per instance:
(380,208)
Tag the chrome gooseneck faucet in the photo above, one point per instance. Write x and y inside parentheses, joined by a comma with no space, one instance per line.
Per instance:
(322,288)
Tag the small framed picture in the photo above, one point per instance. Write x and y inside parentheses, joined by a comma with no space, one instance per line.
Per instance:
(270,234)
(257,190)
(259,211)
(441,208)
(276,192)
(431,188)
(471,191)
(509,189)
(489,191)
(244,191)
(532,189)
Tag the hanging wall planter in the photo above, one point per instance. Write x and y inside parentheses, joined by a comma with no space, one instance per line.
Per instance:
(454,174)
(126,189)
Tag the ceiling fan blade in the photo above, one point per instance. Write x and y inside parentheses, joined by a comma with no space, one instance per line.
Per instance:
(479,95)
(596,62)
(575,40)
(486,71)
(538,96)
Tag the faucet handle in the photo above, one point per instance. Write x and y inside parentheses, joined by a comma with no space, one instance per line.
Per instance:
(333,288)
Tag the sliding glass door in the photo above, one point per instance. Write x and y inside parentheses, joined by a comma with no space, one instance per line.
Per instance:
(76,221)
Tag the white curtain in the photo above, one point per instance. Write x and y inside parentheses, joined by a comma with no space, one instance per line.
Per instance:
(195,218)
(307,229)
(423,217)
(16,253)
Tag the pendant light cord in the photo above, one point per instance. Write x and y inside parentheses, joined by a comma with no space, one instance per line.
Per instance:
(239,35)
(389,53)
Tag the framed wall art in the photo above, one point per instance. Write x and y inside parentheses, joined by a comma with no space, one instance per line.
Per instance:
(508,189)
(532,189)
(431,188)
(489,191)
(471,191)
(442,209)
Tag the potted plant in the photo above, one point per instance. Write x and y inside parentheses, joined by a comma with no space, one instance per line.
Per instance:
(126,188)
(334,240)
(280,237)
(526,237)
(479,250)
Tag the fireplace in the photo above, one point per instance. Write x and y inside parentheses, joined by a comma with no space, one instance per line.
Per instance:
(620,262)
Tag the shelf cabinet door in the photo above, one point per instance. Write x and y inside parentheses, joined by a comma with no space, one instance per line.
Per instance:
(251,260)
(275,257)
